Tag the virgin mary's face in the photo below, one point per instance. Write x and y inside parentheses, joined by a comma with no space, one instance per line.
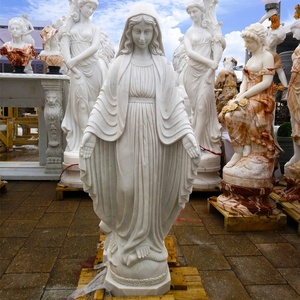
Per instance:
(142,34)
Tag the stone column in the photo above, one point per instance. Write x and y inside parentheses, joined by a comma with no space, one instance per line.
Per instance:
(53,115)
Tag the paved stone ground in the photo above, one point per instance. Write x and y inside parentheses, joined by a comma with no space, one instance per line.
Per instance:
(44,243)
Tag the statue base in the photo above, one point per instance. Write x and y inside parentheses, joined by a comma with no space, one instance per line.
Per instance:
(292,177)
(19,69)
(120,290)
(71,174)
(246,200)
(208,177)
(54,70)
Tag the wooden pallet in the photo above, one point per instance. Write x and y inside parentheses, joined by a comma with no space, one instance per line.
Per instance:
(61,190)
(3,186)
(291,209)
(185,281)
(234,222)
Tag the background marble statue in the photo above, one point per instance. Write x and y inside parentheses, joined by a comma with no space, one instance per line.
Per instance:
(292,167)
(27,38)
(51,53)
(198,77)
(226,83)
(249,118)
(138,157)
(18,52)
(80,43)
(294,96)
(203,45)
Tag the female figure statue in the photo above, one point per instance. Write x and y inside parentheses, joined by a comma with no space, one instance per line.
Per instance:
(138,157)
(198,78)
(18,52)
(292,167)
(79,45)
(294,96)
(27,37)
(248,118)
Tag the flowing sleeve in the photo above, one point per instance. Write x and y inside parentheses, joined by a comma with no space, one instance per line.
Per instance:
(172,119)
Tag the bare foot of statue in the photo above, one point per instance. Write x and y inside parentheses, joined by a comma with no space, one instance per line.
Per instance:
(140,253)
(246,150)
(235,158)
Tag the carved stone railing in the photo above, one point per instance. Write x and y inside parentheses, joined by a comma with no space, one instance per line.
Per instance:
(49,94)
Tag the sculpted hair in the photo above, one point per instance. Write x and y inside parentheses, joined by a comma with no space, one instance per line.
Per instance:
(83,2)
(256,32)
(195,3)
(19,22)
(128,44)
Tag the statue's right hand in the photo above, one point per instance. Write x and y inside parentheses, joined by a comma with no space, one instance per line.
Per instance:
(87,145)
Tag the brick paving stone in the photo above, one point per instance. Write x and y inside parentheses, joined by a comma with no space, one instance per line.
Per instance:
(292,276)
(66,206)
(235,244)
(46,237)
(4,216)
(292,239)
(10,246)
(188,218)
(65,274)
(58,294)
(192,235)
(21,293)
(205,257)
(38,200)
(4,263)
(281,255)
(84,227)
(42,255)
(255,270)
(86,212)
(79,247)
(215,225)
(17,228)
(223,285)
(265,237)
(27,213)
(25,280)
(33,260)
(50,220)
(270,292)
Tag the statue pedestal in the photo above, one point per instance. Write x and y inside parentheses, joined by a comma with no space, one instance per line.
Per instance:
(208,177)
(71,173)
(121,290)
(246,201)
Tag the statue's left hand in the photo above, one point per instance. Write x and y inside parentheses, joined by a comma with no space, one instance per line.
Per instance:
(87,145)
(190,144)
(72,63)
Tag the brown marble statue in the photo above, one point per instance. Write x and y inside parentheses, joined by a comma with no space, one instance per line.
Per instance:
(226,83)
(247,177)
(18,52)
(292,167)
